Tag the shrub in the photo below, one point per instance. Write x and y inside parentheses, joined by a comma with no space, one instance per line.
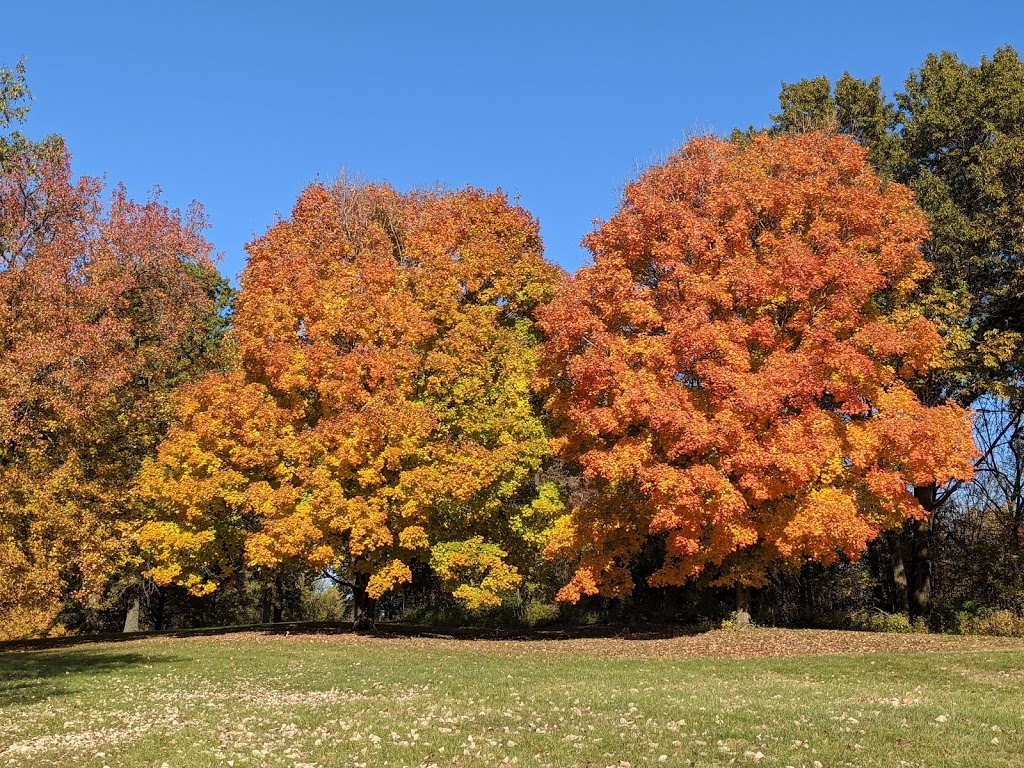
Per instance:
(880,621)
(1003,623)
(540,614)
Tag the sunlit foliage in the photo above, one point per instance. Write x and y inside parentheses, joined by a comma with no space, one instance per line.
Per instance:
(728,374)
(381,410)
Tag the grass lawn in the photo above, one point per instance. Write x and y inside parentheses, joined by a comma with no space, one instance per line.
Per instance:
(764,697)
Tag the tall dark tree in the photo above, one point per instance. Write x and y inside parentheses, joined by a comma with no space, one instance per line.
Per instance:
(955,136)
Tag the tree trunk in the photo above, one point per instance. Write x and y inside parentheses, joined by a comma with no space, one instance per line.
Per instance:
(131,619)
(161,601)
(919,576)
(267,604)
(278,601)
(878,575)
(363,606)
(901,566)
(743,601)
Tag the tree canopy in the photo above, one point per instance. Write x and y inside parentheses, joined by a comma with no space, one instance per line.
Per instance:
(104,308)
(729,374)
(380,412)
(955,137)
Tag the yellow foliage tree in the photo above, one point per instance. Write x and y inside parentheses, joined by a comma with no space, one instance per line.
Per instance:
(381,409)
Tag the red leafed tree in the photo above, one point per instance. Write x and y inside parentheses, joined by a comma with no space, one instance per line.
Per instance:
(728,373)
(104,308)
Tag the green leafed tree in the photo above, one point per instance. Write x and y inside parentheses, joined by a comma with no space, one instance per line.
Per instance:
(955,135)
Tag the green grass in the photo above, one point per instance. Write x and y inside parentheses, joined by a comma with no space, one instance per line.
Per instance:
(303,700)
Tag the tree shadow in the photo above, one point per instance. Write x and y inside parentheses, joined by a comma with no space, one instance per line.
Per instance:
(554,632)
(620,631)
(632,631)
(27,678)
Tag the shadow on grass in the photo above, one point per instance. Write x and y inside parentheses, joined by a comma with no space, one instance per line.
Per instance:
(646,631)
(27,678)
(381,629)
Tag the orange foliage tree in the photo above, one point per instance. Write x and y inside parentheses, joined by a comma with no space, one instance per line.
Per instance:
(103,310)
(381,410)
(728,374)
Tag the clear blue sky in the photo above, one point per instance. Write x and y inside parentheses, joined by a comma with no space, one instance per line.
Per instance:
(241,104)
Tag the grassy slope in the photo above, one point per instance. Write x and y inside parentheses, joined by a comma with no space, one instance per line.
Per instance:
(301,700)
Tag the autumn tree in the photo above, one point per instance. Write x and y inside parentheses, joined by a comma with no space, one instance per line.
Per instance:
(954,136)
(104,307)
(729,375)
(381,410)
